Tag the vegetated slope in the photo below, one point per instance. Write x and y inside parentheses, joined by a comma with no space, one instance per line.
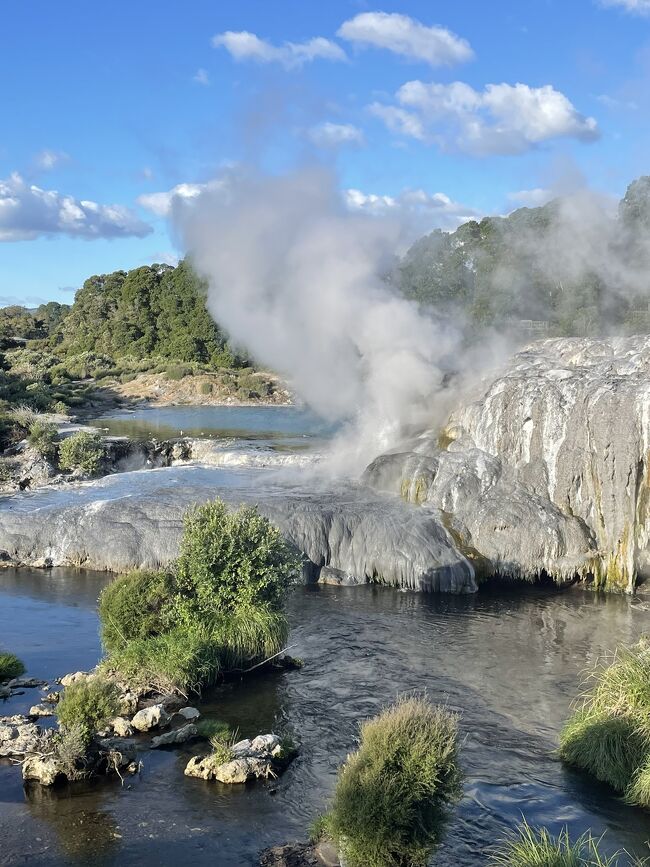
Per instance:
(575,268)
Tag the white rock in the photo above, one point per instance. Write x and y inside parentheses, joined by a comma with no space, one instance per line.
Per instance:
(121,726)
(41,710)
(74,677)
(150,717)
(44,770)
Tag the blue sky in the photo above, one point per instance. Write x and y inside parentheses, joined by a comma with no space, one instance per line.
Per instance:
(105,104)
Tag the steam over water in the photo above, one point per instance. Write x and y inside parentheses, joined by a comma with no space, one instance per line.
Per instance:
(510,662)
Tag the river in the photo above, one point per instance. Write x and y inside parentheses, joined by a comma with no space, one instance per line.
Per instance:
(509,659)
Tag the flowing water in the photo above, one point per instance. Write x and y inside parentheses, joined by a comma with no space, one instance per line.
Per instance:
(508,659)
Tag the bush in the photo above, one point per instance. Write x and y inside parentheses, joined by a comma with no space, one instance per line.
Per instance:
(43,437)
(205,388)
(182,659)
(10,666)
(82,451)
(531,848)
(220,611)
(133,607)
(87,705)
(608,733)
(178,371)
(230,560)
(392,797)
(60,407)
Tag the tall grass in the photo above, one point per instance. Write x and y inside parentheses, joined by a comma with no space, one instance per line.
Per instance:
(608,733)
(393,794)
(529,847)
(10,666)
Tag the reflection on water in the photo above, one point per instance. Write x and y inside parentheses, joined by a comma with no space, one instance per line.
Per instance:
(508,660)
(278,427)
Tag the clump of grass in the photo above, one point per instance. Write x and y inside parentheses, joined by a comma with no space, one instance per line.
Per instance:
(393,794)
(608,733)
(222,748)
(70,746)
(10,666)
(179,660)
(529,847)
(205,388)
(133,607)
(87,705)
(210,728)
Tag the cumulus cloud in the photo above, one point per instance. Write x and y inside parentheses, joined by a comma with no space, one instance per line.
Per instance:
(28,212)
(530,198)
(242,45)
(333,135)
(417,209)
(407,37)
(501,119)
(164,203)
(636,7)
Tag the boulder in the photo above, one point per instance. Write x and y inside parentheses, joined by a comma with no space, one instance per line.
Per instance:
(154,716)
(189,713)
(45,770)
(18,735)
(53,697)
(251,759)
(176,736)
(292,855)
(41,710)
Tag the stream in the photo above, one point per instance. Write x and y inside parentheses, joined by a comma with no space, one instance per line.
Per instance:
(509,659)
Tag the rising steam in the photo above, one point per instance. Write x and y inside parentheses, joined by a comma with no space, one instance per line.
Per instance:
(296,278)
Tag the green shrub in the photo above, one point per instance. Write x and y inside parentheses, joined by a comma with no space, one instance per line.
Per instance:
(393,795)
(43,437)
(133,607)
(10,666)
(205,388)
(60,408)
(537,848)
(82,451)
(178,371)
(87,705)
(608,733)
(184,658)
(127,377)
(232,559)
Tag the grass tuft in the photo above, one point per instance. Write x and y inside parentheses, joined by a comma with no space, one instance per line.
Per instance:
(393,794)
(608,733)
(529,847)
(10,666)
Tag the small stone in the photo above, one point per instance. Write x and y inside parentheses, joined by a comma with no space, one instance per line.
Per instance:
(190,713)
(265,744)
(41,710)
(5,692)
(53,697)
(150,717)
(74,677)
(128,702)
(177,736)
(121,726)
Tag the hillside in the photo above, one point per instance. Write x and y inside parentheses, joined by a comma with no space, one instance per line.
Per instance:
(569,266)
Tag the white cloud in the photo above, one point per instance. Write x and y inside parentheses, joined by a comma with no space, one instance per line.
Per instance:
(162,204)
(636,7)
(243,45)
(407,37)
(531,198)
(28,212)
(617,104)
(201,77)
(48,159)
(335,134)
(501,119)
(426,211)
